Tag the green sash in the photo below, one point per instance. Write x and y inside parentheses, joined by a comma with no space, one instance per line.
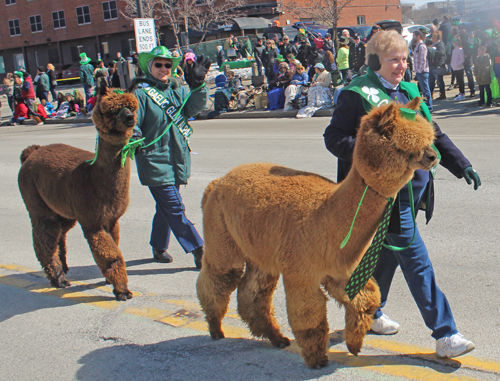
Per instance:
(374,95)
(171,110)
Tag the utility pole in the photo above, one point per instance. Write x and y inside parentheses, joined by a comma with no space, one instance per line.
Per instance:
(140,14)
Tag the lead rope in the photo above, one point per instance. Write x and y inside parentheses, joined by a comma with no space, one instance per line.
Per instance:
(130,148)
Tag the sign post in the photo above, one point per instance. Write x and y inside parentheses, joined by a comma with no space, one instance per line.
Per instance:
(145,35)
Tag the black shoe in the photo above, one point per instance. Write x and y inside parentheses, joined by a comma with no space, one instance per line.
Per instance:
(472,94)
(480,104)
(198,254)
(162,256)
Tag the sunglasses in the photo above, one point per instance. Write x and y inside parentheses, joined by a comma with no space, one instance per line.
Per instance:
(159,65)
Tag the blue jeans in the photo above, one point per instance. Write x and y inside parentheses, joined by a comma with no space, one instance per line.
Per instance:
(470,78)
(423,81)
(88,94)
(169,217)
(418,272)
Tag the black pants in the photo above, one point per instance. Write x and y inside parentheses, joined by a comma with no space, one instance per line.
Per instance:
(482,89)
(459,75)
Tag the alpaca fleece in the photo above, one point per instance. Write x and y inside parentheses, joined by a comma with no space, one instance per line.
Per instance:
(60,187)
(263,220)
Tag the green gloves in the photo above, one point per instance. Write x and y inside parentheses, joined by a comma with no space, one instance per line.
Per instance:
(471,175)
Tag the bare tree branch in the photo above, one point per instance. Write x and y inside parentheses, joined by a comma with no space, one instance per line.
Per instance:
(150,9)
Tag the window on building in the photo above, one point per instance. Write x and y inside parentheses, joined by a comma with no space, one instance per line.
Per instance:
(2,66)
(36,23)
(131,45)
(361,20)
(83,15)
(10,2)
(109,10)
(58,19)
(14,28)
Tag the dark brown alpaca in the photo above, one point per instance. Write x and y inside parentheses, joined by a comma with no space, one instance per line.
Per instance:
(60,187)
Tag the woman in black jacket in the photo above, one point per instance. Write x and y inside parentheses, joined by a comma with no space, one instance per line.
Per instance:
(269,54)
(439,61)
(52,81)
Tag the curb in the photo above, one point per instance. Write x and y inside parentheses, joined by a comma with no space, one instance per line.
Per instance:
(257,114)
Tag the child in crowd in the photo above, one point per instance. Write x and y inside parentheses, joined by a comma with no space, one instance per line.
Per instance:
(38,114)
(49,108)
(482,71)
(457,65)
(20,112)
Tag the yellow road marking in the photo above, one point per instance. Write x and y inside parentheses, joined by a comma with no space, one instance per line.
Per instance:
(189,316)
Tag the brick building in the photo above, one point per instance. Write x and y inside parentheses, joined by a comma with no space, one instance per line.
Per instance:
(36,32)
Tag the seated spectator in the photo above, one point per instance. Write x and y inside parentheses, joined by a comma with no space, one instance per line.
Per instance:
(319,95)
(38,114)
(233,82)
(299,79)
(283,78)
(20,112)
(329,62)
(49,108)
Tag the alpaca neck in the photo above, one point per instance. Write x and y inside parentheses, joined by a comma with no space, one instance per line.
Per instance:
(344,203)
(108,162)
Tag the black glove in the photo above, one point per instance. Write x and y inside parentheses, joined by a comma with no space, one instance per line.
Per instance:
(195,73)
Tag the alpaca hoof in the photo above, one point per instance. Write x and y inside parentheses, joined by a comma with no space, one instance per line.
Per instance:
(63,284)
(354,348)
(317,362)
(280,341)
(60,282)
(123,296)
(217,335)
(107,281)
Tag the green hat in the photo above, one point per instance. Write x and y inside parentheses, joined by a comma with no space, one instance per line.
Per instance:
(158,52)
(408,113)
(84,59)
(19,74)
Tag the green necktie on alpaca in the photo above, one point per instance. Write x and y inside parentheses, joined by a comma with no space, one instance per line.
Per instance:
(367,266)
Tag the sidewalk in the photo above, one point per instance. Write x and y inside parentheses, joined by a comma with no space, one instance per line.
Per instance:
(442,108)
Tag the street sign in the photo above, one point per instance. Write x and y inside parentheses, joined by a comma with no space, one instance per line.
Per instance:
(145,35)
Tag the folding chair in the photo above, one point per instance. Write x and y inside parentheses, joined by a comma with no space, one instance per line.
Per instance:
(220,83)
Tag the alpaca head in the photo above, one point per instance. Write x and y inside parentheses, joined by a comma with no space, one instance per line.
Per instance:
(391,146)
(114,114)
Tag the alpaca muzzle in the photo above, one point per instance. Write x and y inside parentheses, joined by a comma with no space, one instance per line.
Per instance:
(126,117)
(429,158)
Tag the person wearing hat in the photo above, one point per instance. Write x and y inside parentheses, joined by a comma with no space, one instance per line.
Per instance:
(42,84)
(343,57)
(164,165)
(319,94)
(86,75)
(386,60)
(246,48)
(375,29)
(328,44)
(356,54)
(100,69)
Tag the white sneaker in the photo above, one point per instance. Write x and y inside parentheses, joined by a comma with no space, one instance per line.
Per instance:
(384,326)
(460,97)
(453,346)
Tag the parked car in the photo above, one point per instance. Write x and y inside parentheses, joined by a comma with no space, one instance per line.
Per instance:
(390,25)
(312,27)
(409,29)
(362,30)
(67,73)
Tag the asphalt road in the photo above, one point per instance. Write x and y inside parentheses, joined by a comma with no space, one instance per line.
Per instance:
(82,333)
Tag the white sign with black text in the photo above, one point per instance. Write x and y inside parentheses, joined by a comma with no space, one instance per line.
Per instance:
(145,35)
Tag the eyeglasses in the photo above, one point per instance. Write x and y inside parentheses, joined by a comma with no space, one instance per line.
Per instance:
(268,43)
(159,65)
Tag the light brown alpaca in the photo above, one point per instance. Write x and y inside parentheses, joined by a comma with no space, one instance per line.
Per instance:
(277,220)
(59,187)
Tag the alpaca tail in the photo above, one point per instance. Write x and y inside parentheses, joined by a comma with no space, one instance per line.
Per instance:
(208,190)
(28,151)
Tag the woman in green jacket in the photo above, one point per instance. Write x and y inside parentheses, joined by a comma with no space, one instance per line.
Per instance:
(343,57)
(164,161)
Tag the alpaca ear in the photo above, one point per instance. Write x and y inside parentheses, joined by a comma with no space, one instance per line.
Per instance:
(414,104)
(102,87)
(386,119)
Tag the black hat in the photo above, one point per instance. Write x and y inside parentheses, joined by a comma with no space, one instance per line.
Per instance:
(375,27)
(41,68)
(328,35)
(355,36)
(343,40)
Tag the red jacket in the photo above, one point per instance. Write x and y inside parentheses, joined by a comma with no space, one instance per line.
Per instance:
(41,111)
(27,90)
(21,111)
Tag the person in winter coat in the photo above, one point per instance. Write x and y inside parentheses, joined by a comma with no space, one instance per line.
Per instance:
(384,76)
(43,84)
(283,78)
(269,55)
(457,65)
(27,90)
(86,75)
(257,53)
(470,52)
(303,51)
(20,112)
(439,61)
(9,82)
(482,71)
(246,47)
(356,54)
(288,48)
(220,55)
(166,164)
(52,80)
(299,79)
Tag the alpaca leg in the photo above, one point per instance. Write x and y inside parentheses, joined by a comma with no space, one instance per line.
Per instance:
(66,225)
(115,233)
(46,235)
(255,294)
(306,307)
(358,315)
(109,258)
